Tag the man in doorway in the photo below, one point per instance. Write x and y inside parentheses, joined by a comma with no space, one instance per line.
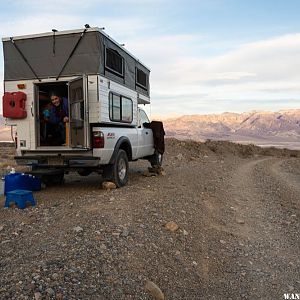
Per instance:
(56,115)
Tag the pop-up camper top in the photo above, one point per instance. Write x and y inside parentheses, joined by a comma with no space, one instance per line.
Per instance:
(88,68)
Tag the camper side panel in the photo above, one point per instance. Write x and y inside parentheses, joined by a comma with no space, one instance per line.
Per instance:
(25,127)
(105,87)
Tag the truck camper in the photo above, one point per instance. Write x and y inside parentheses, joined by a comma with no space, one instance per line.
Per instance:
(98,124)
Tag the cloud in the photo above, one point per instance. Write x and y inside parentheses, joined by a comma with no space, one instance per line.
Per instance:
(265,70)
(187,70)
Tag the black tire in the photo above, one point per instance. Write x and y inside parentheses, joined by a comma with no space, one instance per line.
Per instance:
(118,172)
(84,172)
(156,160)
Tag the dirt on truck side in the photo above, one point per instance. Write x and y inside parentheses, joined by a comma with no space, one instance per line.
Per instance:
(222,222)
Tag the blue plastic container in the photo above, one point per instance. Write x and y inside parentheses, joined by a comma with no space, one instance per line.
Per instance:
(20,181)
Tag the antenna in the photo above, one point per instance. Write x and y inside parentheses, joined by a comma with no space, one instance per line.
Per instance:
(87,26)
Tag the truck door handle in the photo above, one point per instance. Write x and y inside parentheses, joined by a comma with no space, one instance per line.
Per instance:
(146,132)
(31,109)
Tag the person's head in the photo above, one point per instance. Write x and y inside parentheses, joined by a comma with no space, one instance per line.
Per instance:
(55,98)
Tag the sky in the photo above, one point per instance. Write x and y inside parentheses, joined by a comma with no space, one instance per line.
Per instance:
(205,56)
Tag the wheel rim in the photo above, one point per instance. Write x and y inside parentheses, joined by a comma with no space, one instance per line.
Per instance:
(122,169)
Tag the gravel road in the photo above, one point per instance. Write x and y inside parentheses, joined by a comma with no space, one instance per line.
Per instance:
(236,213)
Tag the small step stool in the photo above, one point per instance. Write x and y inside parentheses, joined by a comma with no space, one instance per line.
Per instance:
(19,197)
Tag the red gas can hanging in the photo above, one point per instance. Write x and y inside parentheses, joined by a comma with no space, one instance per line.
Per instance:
(14,105)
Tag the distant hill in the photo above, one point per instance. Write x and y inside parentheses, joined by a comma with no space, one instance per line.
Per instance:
(5,134)
(256,127)
(2,121)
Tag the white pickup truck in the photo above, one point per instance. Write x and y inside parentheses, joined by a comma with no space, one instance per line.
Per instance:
(103,87)
(112,149)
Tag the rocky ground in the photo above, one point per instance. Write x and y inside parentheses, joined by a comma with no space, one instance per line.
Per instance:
(223,223)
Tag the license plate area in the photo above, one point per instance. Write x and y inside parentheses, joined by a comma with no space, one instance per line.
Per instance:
(55,161)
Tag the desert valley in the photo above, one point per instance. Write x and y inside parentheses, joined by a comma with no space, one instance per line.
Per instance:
(280,129)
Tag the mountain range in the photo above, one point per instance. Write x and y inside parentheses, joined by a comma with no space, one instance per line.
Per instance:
(258,127)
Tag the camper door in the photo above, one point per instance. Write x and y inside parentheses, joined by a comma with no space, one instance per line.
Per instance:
(78,110)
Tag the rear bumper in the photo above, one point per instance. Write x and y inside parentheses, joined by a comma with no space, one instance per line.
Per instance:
(59,161)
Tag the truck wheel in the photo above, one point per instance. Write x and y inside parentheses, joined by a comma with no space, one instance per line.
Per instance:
(119,170)
(156,160)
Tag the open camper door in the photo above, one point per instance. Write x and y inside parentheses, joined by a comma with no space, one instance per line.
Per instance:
(78,111)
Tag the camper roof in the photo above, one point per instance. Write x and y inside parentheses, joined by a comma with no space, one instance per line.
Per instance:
(69,53)
(65,32)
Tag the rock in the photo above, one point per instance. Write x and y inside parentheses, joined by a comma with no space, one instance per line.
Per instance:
(185,232)
(78,229)
(194,263)
(1,228)
(179,156)
(290,288)
(157,170)
(240,221)
(103,246)
(154,290)
(59,296)
(55,276)
(37,296)
(50,291)
(108,185)
(222,242)
(149,174)
(36,277)
(163,173)
(172,226)
(125,232)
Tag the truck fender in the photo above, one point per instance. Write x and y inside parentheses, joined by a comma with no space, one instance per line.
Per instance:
(122,143)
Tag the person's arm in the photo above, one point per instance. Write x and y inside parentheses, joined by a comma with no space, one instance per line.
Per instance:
(66,110)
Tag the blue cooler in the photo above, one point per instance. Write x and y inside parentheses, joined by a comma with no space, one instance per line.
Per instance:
(21,181)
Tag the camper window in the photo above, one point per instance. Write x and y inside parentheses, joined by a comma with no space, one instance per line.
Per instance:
(120,108)
(141,78)
(114,62)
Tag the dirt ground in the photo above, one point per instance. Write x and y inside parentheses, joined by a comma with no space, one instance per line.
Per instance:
(237,210)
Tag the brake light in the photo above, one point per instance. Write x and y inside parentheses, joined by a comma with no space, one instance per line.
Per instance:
(98,139)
